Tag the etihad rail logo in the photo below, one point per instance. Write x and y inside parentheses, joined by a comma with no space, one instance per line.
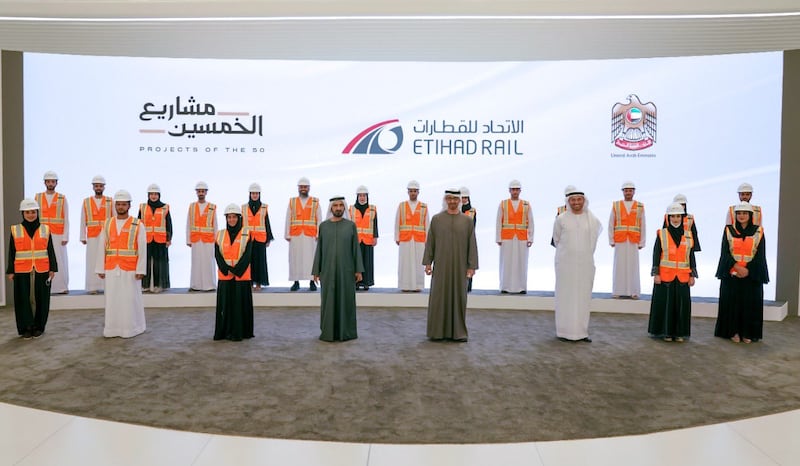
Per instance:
(633,124)
(381,138)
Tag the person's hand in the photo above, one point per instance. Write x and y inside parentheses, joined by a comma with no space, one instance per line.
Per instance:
(139,276)
(530,243)
(50,275)
(316,279)
(499,243)
(691,281)
(428,269)
(102,276)
(398,243)
(359,277)
(470,273)
(83,241)
(10,276)
(657,279)
(169,243)
(64,243)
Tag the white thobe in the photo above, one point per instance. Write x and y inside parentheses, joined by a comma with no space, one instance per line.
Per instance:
(410,271)
(575,237)
(301,248)
(203,275)
(124,306)
(93,282)
(60,283)
(513,255)
(626,258)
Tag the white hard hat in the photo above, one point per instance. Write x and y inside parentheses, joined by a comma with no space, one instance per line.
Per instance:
(201,185)
(122,196)
(745,188)
(628,185)
(464,191)
(675,209)
(98,180)
(28,204)
(50,175)
(743,207)
(569,189)
(514,184)
(153,188)
(254,188)
(362,190)
(413,184)
(679,198)
(303,182)
(233,209)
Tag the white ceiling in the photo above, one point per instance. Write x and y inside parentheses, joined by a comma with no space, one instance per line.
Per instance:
(400,29)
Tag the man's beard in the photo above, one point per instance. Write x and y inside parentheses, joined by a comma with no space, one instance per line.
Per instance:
(338,213)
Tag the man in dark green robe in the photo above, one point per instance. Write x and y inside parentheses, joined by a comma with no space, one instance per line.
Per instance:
(338,265)
(451,257)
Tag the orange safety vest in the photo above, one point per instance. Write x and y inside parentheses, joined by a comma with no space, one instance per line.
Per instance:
(743,249)
(303,221)
(31,253)
(52,215)
(155,223)
(628,225)
(201,225)
(412,223)
(255,223)
(122,247)
(96,216)
(232,253)
(471,213)
(675,258)
(366,234)
(515,222)
(756,215)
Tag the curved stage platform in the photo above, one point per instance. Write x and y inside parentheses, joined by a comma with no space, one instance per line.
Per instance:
(512,395)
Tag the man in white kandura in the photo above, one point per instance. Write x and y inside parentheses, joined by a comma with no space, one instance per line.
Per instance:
(201,231)
(626,234)
(411,225)
(514,235)
(94,213)
(575,235)
(122,263)
(303,217)
(54,212)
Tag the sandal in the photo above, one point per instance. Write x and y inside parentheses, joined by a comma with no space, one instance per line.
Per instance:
(679,339)
(667,338)
(747,340)
(735,338)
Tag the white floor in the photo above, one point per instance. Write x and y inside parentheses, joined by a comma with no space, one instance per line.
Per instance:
(34,437)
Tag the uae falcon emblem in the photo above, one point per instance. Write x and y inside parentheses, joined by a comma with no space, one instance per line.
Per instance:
(633,124)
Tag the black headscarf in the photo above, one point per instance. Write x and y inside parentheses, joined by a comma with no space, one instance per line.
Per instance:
(362,207)
(233,231)
(749,229)
(465,206)
(30,227)
(254,205)
(154,204)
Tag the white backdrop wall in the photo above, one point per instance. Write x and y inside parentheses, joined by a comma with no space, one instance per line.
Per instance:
(718,123)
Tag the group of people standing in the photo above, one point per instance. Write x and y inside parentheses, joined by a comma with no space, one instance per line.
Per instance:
(233,262)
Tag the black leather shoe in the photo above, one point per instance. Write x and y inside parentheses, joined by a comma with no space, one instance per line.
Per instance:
(312,286)
(587,340)
(295,286)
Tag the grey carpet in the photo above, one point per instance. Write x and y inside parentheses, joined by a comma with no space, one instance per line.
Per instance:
(512,382)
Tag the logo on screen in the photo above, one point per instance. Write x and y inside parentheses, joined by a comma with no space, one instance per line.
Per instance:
(385,137)
(633,124)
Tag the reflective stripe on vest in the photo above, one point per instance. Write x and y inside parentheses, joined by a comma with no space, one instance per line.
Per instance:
(366,234)
(412,223)
(303,221)
(201,225)
(743,249)
(628,225)
(471,212)
(515,222)
(52,215)
(232,253)
(31,252)
(255,222)
(155,223)
(756,215)
(561,210)
(122,247)
(96,216)
(675,259)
